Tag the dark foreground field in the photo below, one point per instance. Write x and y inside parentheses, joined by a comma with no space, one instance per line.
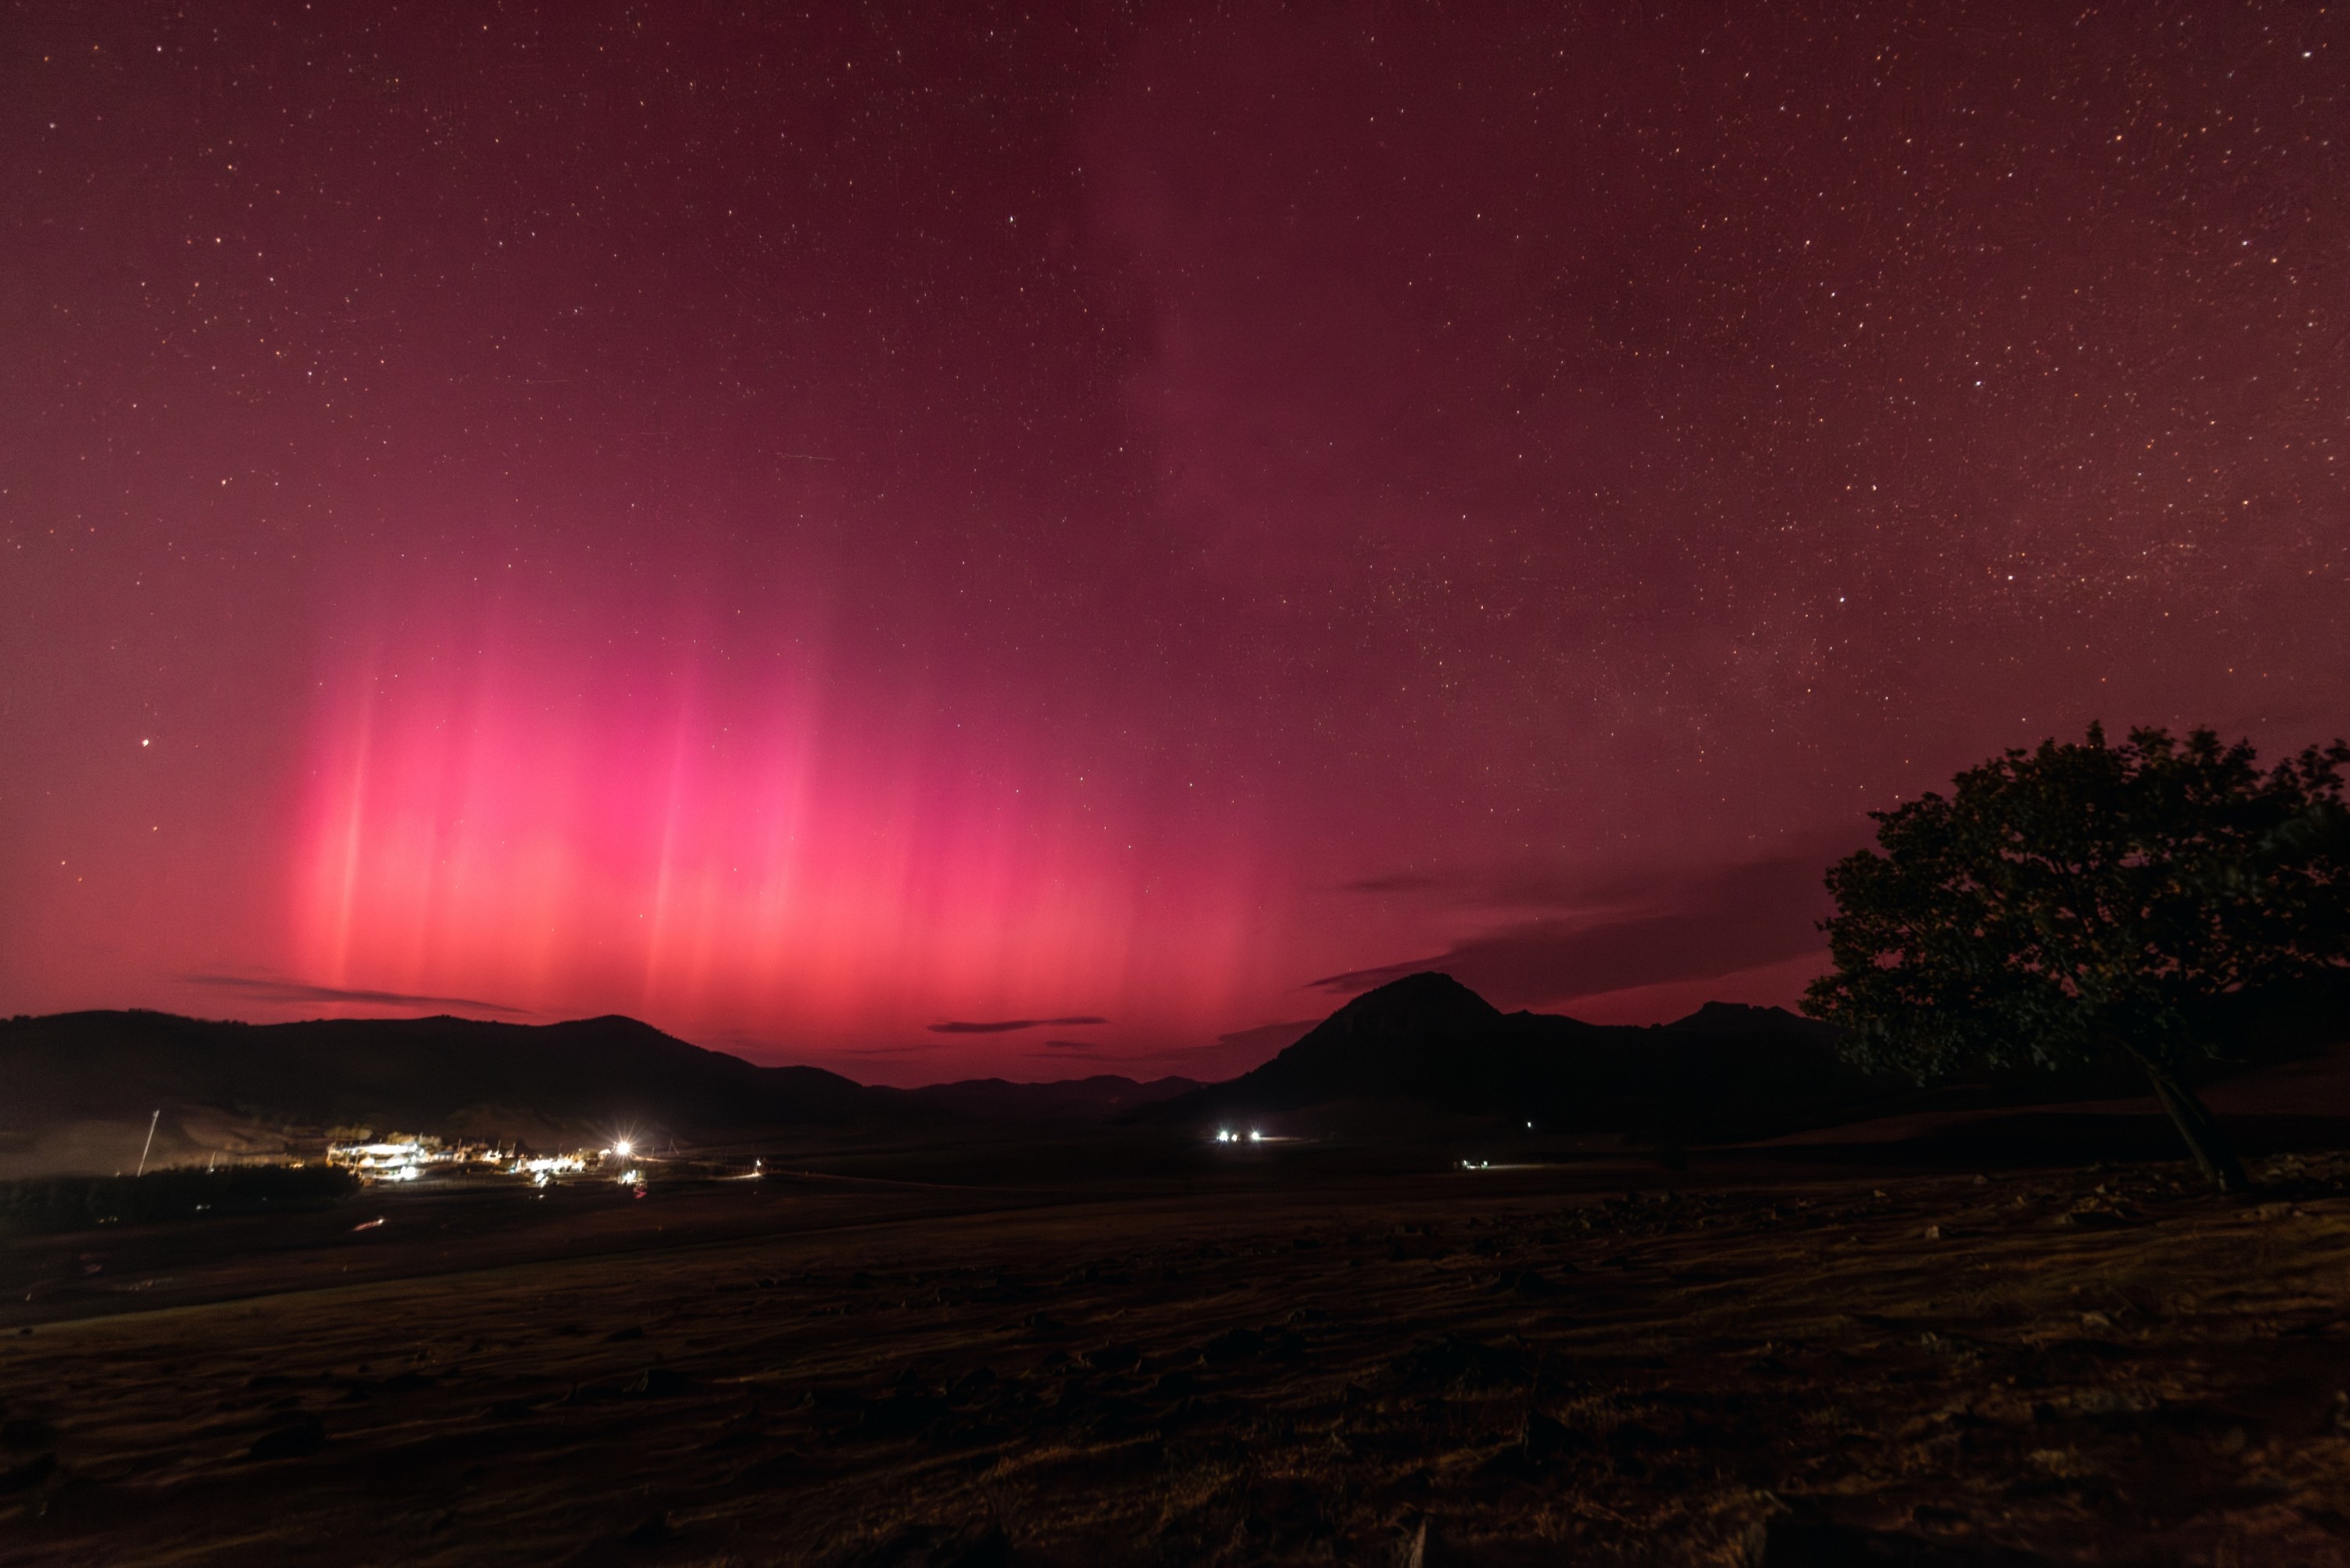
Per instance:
(1752,1365)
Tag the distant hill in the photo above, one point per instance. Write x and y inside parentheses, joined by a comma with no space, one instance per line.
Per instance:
(77,1089)
(1727,1072)
(591,1078)
(1429,1040)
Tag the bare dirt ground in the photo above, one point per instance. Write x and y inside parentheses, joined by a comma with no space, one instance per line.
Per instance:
(1750,1365)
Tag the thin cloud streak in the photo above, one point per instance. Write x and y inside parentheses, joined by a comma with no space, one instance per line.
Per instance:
(1006,1025)
(1752,915)
(261,989)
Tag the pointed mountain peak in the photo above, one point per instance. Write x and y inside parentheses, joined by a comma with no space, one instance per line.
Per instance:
(1403,1030)
(1425,1002)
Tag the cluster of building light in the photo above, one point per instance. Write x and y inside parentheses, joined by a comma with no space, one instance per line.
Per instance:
(543,1169)
(402,1157)
(397,1158)
(1226,1135)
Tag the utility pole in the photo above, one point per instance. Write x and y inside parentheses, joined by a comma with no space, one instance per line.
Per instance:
(150,1139)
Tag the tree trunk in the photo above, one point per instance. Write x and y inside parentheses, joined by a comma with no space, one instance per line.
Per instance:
(2204,1139)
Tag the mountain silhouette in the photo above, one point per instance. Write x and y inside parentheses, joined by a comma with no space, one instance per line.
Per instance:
(1425,1037)
(589,1077)
(1429,1040)
(77,1089)
(1727,1072)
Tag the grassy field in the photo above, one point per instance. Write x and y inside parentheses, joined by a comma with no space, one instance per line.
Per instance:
(1498,1368)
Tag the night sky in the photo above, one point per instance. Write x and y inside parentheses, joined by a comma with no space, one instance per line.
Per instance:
(1065,540)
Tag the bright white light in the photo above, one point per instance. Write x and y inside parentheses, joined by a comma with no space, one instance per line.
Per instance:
(1255,1136)
(630,1177)
(623,1147)
(1224,1135)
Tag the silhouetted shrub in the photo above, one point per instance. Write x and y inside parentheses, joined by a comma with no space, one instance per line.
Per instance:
(2092,901)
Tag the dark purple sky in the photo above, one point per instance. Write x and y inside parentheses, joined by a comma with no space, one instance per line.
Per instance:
(812,529)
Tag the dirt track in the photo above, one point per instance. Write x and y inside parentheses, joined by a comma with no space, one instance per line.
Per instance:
(1528,1371)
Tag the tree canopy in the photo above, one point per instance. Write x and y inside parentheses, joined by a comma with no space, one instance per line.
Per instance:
(2083,900)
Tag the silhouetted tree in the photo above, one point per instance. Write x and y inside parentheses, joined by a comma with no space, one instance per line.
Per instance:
(2089,900)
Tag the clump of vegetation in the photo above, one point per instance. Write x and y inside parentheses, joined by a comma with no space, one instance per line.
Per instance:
(2088,901)
(45,1203)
